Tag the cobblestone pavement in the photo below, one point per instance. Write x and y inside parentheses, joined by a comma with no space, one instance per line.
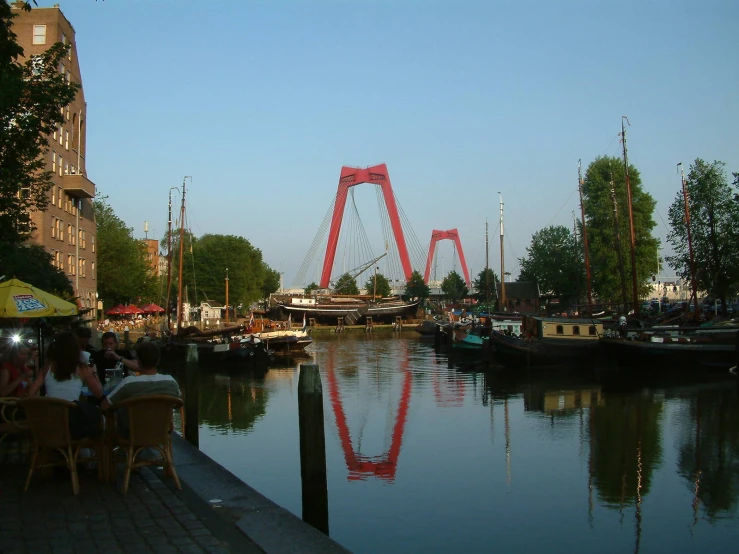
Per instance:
(152,517)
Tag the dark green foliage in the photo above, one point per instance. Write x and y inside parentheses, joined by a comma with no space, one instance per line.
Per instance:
(124,274)
(33,265)
(486,286)
(555,263)
(383,286)
(310,288)
(600,221)
(454,287)
(714,226)
(32,96)
(346,284)
(416,287)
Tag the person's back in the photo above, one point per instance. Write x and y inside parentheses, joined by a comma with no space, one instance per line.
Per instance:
(149,382)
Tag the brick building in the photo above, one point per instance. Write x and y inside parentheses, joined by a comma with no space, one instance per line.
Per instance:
(66,229)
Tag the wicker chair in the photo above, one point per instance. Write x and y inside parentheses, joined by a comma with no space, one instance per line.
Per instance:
(48,420)
(12,420)
(150,425)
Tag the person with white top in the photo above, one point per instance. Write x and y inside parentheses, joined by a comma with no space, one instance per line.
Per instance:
(64,377)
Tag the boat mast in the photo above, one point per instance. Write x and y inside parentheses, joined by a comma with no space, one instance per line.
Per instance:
(585,239)
(502,259)
(487,269)
(226,296)
(693,282)
(634,290)
(618,246)
(169,261)
(182,246)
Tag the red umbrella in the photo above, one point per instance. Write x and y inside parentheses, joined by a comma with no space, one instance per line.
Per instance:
(152,309)
(133,310)
(115,310)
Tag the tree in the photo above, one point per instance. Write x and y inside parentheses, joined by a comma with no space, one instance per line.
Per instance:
(271,280)
(609,236)
(124,274)
(555,262)
(416,287)
(32,98)
(310,288)
(383,286)
(346,284)
(714,227)
(486,286)
(454,287)
(34,265)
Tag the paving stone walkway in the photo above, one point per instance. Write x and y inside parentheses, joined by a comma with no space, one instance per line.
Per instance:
(152,517)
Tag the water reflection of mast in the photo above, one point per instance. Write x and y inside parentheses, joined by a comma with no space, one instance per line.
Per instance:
(590,466)
(698,473)
(638,514)
(507,443)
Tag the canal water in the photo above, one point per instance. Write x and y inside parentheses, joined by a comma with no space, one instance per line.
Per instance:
(424,457)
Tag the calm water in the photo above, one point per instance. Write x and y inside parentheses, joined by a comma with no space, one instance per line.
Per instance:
(423,457)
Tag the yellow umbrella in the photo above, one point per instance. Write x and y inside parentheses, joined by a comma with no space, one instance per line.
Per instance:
(21,300)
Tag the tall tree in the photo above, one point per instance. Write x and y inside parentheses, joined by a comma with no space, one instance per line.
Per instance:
(33,264)
(555,262)
(416,287)
(383,286)
(32,98)
(486,286)
(604,183)
(714,226)
(346,284)
(124,274)
(310,288)
(454,287)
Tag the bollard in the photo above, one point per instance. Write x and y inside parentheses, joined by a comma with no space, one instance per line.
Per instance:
(312,448)
(192,397)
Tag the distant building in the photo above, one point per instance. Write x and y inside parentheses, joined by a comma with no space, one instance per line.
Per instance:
(152,255)
(66,229)
(520,296)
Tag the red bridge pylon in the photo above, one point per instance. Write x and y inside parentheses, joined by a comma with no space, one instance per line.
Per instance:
(451,234)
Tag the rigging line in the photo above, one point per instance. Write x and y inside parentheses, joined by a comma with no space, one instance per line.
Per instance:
(416,250)
(563,206)
(317,239)
(662,220)
(618,135)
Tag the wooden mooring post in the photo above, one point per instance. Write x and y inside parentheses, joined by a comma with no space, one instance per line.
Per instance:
(312,448)
(192,397)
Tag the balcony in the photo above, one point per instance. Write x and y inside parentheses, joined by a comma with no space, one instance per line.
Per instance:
(78,186)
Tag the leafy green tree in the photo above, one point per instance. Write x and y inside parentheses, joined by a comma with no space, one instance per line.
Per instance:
(714,227)
(271,282)
(454,287)
(346,284)
(383,286)
(310,288)
(486,286)
(34,265)
(32,97)
(416,287)
(555,262)
(610,264)
(124,274)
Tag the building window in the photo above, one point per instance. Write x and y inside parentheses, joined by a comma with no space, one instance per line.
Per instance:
(53,188)
(592,331)
(64,38)
(576,330)
(67,112)
(71,269)
(92,242)
(82,263)
(81,237)
(53,225)
(66,168)
(39,34)
(92,267)
(61,131)
(58,260)
(55,131)
(66,139)
(68,83)
(59,226)
(560,330)
(59,189)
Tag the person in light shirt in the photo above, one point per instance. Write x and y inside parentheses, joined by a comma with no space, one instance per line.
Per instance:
(148,381)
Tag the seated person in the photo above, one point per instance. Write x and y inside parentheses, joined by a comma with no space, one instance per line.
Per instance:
(110,355)
(14,372)
(64,376)
(84,334)
(148,382)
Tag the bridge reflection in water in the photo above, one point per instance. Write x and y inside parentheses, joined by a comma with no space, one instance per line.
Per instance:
(589,461)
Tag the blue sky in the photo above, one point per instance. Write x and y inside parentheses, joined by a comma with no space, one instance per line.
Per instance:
(262,102)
